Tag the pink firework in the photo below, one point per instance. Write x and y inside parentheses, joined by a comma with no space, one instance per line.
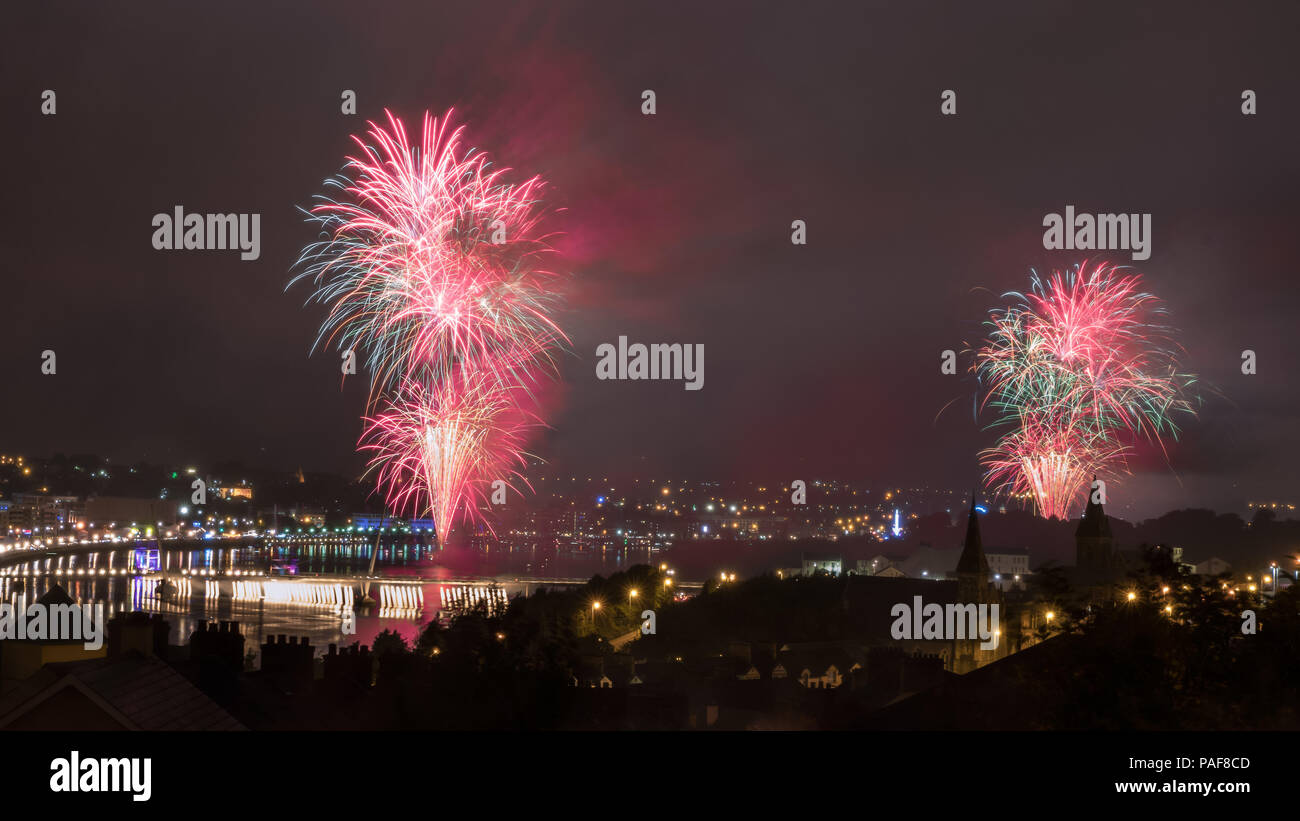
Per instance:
(439,450)
(1076,368)
(432,265)
(433,262)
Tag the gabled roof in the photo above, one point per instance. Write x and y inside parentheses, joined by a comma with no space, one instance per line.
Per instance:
(818,659)
(140,692)
(55,595)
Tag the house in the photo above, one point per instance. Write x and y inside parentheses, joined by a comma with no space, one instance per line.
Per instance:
(131,691)
(814,563)
(928,562)
(1009,565)
(606,671)
(22,659)
(1212,567)
(820,665)
(876,564)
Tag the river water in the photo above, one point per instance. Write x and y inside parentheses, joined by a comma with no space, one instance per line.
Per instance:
(300,587)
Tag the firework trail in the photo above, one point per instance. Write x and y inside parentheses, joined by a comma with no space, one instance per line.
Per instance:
(433,269)
(1074,370)
(439,449)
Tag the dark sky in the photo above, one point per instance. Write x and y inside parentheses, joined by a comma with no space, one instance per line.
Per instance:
(820,360)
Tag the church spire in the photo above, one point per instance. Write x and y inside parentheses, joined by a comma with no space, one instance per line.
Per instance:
(1095,522)
(972,554)
(1094,545)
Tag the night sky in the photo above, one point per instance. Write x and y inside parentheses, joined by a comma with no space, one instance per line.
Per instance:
(821,360)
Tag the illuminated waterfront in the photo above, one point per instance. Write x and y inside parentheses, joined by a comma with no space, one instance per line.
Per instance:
(298,586)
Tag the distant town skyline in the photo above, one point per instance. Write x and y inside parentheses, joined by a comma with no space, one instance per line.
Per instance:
(547,482)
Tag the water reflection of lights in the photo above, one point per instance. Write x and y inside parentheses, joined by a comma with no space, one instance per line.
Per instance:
(246,591)
(466,597)
(401,596)
(210,590)
(400,612)
(319,593)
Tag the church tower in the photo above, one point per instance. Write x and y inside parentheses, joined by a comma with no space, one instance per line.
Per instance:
(973,588)
(1094,545)
(972,567)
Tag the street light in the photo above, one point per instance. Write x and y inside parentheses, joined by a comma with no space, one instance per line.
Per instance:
(631,594)
(594,607)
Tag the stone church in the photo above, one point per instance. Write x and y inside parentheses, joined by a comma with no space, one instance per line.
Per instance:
(975,586)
